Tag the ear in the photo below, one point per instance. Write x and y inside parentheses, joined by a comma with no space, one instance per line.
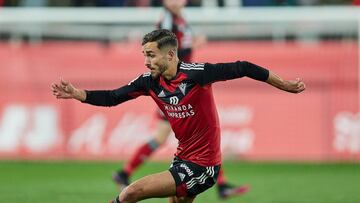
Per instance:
(171,54)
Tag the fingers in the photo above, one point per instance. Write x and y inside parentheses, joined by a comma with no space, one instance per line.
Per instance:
(55,90)
(54,87)
(300,85)
(61,95)
(58,91)
(297,86)
(63,82)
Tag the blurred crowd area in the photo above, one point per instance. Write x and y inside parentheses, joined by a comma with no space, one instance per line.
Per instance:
(157,3)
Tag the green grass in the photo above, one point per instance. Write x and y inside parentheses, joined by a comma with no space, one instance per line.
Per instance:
(90,182)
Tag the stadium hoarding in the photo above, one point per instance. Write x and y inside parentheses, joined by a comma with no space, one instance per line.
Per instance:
(258,122)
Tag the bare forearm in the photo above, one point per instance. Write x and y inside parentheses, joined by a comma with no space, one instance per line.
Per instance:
(275,81)
(296,86)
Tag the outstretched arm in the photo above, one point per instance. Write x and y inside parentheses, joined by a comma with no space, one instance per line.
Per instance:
(65,90)
(293,86)
(226,71)
(137,87)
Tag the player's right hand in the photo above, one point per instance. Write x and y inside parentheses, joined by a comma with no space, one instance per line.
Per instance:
(63,90)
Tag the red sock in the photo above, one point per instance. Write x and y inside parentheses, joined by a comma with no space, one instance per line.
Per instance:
(141,154)
(221,178)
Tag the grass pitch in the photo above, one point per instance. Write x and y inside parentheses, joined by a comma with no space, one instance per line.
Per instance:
(90,182)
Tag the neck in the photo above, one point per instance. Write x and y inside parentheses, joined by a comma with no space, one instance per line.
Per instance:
(177,12)
(174,11)
(170,73)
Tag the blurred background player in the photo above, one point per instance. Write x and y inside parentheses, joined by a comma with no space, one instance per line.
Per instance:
(173,20)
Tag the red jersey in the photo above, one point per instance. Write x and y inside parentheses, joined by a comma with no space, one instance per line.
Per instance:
(187,102)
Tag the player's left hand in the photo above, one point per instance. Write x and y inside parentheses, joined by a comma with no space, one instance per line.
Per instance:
(295,86)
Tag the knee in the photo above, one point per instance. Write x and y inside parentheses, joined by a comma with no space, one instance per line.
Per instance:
(132,193)
(159,140)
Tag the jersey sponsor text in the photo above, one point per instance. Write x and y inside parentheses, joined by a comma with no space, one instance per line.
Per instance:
(179,111)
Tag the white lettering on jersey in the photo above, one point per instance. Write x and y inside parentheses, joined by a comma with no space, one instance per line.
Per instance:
(180,111)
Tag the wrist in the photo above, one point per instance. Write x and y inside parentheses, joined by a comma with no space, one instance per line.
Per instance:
(285,85)
(80,95)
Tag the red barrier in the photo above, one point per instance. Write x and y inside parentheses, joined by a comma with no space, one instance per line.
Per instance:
(258,121)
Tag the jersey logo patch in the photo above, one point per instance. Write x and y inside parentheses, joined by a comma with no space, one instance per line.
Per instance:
(162,94)
(182,88)
(182,176)
(174,100)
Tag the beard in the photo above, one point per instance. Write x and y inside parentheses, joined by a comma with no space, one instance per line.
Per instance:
(155,74)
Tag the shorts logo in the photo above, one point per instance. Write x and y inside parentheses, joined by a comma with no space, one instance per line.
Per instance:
(182,176)
(174,100)
(187,169)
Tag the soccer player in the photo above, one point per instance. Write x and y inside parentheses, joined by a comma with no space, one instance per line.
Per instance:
(172,20)
(183,91)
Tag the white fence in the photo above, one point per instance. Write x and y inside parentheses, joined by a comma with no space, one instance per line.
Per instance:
(221,23)
(117,23)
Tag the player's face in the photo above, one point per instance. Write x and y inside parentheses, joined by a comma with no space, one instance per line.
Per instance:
(155,59)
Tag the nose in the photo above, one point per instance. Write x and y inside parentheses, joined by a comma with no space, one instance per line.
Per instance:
(147,62)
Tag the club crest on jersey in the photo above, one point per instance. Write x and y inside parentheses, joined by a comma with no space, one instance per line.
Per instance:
(162,94)
(174,100)
(182,88)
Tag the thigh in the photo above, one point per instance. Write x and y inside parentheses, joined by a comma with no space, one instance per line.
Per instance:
(156,185)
